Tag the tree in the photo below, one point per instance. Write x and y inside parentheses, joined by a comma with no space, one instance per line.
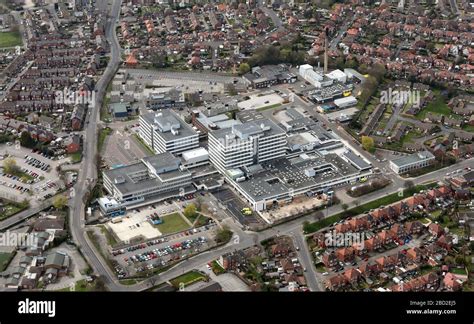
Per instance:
(223,235)
(26,140)
(198,202)
(190,211)
(369,87)
(460,260)
(10,166)
(244,68)
(409,185)
(368,143)
(60,202)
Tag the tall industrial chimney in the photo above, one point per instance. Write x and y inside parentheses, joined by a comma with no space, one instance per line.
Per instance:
(325,51)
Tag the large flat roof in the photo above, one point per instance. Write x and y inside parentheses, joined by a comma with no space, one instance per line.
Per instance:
(167,119)
(136,177)
(281,176)
(413,158)
(263,126)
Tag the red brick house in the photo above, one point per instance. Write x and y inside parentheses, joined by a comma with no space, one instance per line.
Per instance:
(352,276)
(345,254)
(435,229)
(451,282)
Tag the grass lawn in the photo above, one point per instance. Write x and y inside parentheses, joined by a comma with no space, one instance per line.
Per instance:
(172,223)
(104,132)
(217,268)
(142,143)
(269,107)
(459,271)
(104,110)
(468,128)
(436,213)
(425,221)
(110,238)
(200,220)
(437,106)
(76,157)
(187,279)
(11,208)
(320,268)
(10,39)
(81,286)
(129,282)
(4,257)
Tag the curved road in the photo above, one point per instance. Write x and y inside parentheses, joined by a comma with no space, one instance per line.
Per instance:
(88,175)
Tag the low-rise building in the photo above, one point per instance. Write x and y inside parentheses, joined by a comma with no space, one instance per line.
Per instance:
(412,162)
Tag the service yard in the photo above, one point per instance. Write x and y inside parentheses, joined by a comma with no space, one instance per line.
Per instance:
(122,147)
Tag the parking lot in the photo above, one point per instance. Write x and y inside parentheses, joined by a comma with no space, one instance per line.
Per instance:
(121,147)
(163,251)
(188,82)
(38,176)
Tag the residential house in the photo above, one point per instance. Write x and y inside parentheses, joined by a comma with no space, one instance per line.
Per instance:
(435,229)
(451,282)
(345,254)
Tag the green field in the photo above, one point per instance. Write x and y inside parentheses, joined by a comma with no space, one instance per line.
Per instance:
(76,157)
(187,279)
(11,208)
(172,223)
(217,268)
(438,106)
(4,257)
(459,271)
(109,236)
(10,39)
(104,132)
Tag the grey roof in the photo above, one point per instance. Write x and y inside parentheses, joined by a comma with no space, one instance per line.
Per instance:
(56,258)
(119,108)
(164,162)
(246,130)
(164,121)
(26,259)
(356,160)
(413,158)
(126,181)
(283,175)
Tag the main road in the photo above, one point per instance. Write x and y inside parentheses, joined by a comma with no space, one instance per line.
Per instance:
(88,174)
